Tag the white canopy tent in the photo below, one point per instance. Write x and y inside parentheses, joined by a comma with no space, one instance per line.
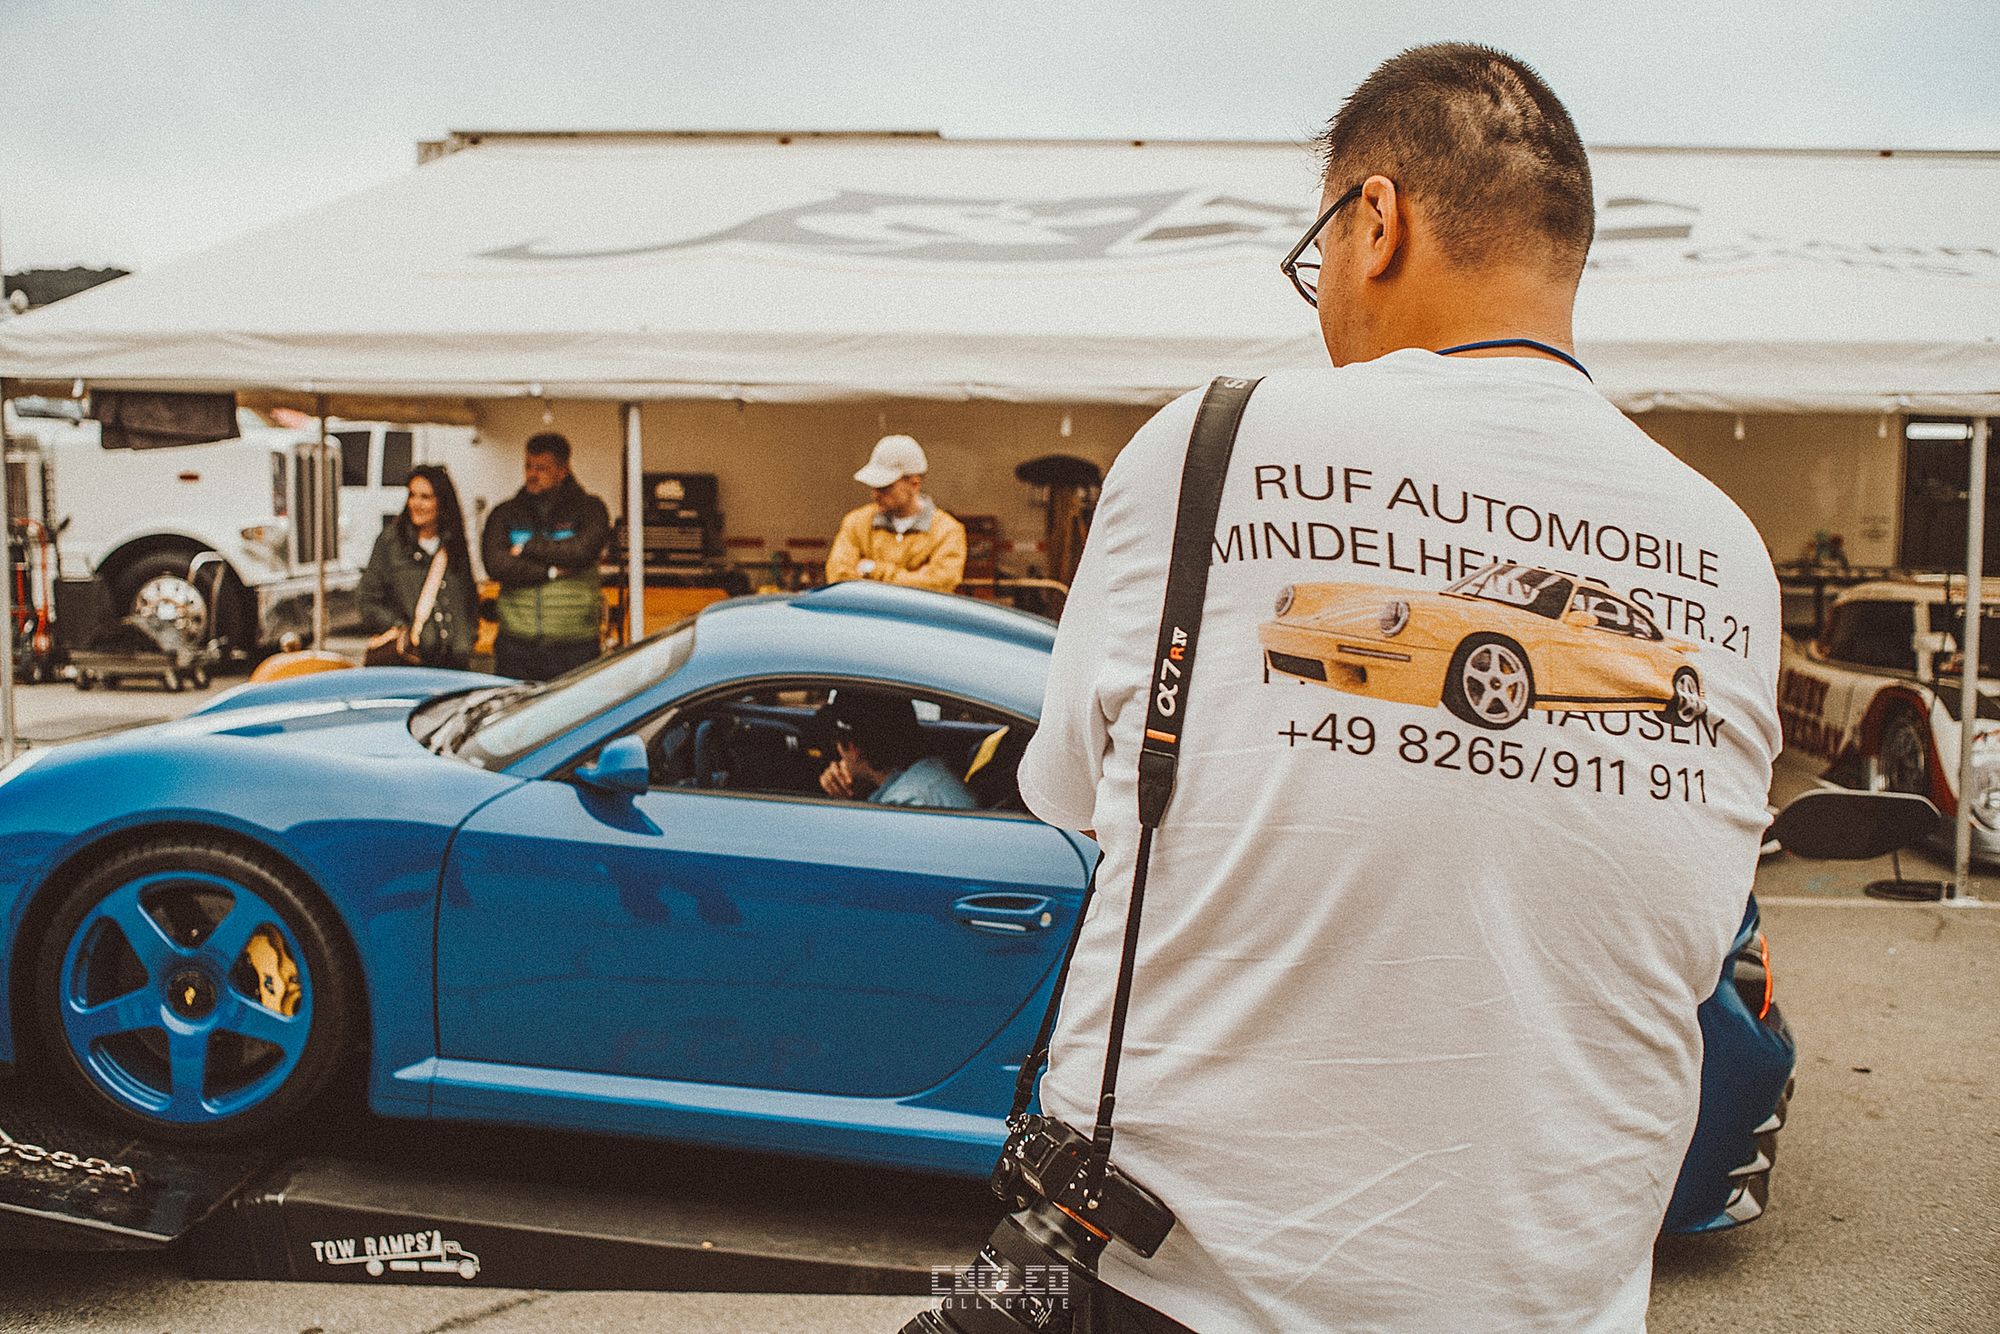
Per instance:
(808,267)
(814,267)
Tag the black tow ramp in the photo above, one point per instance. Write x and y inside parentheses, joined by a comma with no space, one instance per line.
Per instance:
(485,1206)
(347,1221)
(67,1185)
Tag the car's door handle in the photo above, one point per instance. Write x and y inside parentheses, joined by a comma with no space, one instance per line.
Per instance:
(1004,914)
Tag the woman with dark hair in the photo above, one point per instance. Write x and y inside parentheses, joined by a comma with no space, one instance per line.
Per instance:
(422,548)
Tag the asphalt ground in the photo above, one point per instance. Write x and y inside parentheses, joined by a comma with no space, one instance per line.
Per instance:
(1884,1212)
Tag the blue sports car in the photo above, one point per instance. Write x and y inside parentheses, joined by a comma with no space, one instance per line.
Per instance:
(621,902)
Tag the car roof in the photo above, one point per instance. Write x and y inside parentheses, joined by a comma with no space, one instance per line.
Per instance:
(952,644)
(1928,588)
(1589,581)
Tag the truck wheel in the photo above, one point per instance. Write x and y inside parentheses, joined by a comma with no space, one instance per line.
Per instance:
(186,990)
(158,588)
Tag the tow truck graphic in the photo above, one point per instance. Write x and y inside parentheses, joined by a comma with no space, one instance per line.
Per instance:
(426,1252)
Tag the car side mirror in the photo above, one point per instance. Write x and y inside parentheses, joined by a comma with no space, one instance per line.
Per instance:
(1934,651)
(1580,620)
(621,768)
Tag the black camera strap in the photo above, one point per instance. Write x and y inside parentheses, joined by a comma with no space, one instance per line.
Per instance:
(1202,476)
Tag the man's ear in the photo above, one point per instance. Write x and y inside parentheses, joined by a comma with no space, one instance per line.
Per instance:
(1384,229)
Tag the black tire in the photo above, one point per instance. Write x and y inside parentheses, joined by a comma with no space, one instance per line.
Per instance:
(1904,753)
(1688,702)
(142,585)
(1494,690)
(324,964)
(86,681)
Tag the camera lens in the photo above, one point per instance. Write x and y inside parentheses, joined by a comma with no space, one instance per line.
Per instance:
(1019,1282)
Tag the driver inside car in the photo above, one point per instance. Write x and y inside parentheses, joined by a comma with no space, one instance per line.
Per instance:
(880,755)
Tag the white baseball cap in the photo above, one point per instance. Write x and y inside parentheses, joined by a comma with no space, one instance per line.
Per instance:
(895,456)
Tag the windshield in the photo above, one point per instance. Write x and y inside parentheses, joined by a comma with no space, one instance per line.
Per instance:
(1543,592)
(503,726)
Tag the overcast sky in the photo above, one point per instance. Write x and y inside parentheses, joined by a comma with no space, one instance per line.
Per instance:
(133,131)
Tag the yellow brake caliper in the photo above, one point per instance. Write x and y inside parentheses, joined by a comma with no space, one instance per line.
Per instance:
(277,975)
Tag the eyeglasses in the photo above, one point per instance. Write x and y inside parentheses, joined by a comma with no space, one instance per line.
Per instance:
(1305,277)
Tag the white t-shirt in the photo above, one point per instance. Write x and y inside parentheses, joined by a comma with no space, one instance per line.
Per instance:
(1413,1041)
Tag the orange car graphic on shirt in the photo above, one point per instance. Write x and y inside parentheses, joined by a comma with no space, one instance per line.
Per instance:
(1499,642)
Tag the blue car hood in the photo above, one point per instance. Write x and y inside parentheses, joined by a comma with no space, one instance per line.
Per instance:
(361,728)
(348,715)
(406,683)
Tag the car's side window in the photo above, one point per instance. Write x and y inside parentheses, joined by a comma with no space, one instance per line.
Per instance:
(1615,615)
(1610,616)
(778,740)
(1643,627)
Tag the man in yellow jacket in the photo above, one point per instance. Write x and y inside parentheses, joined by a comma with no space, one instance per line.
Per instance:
(903,537)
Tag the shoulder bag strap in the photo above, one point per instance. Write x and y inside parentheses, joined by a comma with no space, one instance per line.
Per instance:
(1202,476)
(427,597)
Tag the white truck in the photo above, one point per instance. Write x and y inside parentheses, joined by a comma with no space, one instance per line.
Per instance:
(133,522)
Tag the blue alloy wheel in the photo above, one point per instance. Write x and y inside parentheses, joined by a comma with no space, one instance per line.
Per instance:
(187,989)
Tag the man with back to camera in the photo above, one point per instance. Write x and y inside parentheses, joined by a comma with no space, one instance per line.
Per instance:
(1413,1043)
(903,536)
(543,545)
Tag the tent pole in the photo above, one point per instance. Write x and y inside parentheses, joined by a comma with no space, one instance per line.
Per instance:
(6,604)
(1968,685)
(321,537)
(635,528)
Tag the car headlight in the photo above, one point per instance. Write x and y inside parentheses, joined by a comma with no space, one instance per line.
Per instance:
(1394,617)
(1285,596)
(1985,789)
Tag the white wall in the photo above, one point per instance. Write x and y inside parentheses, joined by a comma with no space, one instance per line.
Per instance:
(1798,475)
(786,471)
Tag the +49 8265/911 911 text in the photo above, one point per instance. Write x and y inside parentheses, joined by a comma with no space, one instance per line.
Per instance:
(1506,760)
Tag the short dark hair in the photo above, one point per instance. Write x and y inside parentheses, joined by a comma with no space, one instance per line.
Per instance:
(1478,137)
(552,443)
(882,724)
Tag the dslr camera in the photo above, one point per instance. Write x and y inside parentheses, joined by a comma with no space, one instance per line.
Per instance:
(1041,1261)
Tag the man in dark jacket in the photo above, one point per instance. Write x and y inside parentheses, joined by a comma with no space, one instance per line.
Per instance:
(543,546)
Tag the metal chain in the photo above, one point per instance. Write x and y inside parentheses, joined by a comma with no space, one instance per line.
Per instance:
(34,1153)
